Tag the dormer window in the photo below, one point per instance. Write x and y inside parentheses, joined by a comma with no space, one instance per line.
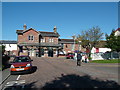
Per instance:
(30,37)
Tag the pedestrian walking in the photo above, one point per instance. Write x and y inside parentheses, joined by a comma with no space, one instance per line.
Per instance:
(75,56)
(79,57)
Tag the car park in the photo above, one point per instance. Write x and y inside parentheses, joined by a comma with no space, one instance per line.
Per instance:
(21,64)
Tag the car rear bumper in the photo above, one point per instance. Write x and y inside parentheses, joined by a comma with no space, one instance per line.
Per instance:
(15,71)
(69,57)
(20,72)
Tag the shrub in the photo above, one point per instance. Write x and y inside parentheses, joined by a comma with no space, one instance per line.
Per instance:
(89,58)
(5,60)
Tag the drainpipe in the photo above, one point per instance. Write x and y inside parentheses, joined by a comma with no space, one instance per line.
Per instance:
(39,50)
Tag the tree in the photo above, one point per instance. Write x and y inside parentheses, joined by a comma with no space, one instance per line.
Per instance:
(91,36)
(5,58)
(2,49)
(113,42)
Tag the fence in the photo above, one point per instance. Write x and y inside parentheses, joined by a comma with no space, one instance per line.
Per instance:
(102,56)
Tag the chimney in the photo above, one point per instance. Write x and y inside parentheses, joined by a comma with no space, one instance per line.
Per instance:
(24,26)
(55,29)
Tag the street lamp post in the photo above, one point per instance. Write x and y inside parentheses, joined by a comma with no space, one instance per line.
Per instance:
(74,37)
(74,44)
(79,49)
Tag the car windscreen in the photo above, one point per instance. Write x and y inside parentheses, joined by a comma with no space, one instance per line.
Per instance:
(21,59)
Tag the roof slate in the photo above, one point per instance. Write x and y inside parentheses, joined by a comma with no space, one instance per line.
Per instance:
(19,31)
(8,42)
(42,33)
(71,41)
(117,29)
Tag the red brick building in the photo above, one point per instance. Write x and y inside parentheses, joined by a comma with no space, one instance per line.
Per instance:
(40,43)
(69,45)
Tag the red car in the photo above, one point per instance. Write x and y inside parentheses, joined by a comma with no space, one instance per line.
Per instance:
(69,56)
(21,64)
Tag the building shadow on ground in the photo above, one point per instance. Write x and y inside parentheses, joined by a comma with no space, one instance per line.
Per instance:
(73,81)
(20,87)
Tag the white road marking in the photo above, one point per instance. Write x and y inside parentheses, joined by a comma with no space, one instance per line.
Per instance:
(18,77)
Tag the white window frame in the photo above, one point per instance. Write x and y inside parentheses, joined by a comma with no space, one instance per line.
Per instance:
(42,40)
(31,38)
(52,40)
(49,39)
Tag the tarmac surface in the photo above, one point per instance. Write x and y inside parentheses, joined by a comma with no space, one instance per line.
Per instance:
(50,70)
(64,73)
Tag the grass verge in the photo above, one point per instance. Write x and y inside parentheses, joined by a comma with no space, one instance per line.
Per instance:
(106,61)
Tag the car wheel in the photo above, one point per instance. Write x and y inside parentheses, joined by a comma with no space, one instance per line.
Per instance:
(12,73)
(31,70)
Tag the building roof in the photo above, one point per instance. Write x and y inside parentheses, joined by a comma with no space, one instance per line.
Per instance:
(117,29)
(117,32)
(19,31)
(8,42)
(23,31)
(42,33)
(69,41)
(101,44)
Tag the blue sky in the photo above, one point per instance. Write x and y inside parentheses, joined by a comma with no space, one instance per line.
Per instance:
(69,17)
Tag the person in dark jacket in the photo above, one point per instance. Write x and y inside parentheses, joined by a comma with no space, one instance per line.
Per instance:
(79,57)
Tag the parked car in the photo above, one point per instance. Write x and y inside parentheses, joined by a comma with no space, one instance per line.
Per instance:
(69,56)
(21,64)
